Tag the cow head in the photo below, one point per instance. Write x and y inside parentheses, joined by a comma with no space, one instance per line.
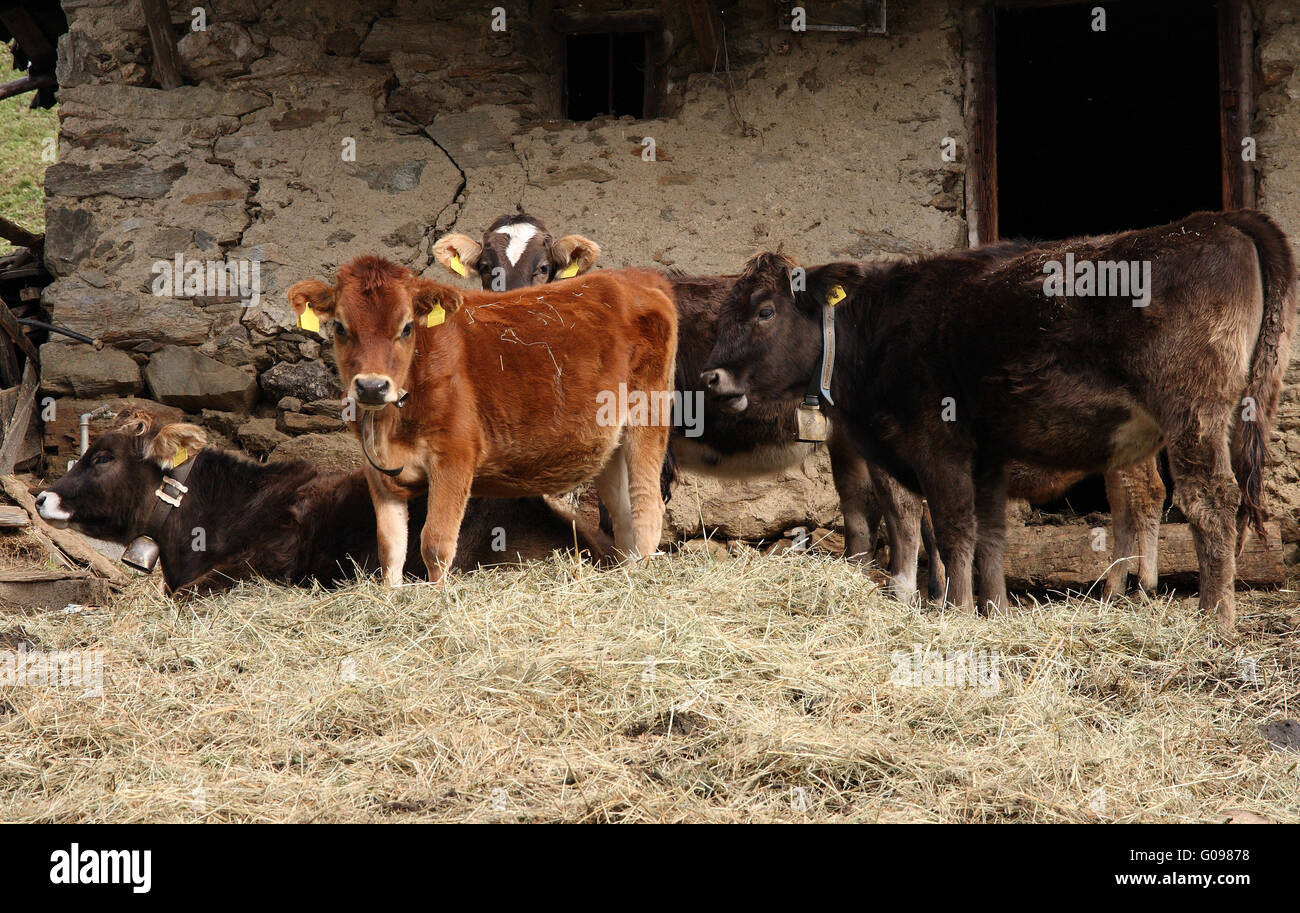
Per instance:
(377,309)
(517,251)
(769,329)
(109,492)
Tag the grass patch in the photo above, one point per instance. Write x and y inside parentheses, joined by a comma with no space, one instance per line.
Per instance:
(691,689)
(23,134)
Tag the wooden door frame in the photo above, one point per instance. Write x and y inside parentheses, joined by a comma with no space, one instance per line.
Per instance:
(979,108)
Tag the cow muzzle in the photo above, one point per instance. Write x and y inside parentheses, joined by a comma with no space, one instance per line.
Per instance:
(374,391)
(52,511)
(722,385)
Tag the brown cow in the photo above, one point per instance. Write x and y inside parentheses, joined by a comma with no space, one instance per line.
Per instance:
(517,251)
(520,393)
(288,522)
(951,367)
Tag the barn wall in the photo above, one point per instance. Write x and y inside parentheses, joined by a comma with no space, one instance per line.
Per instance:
(826,144)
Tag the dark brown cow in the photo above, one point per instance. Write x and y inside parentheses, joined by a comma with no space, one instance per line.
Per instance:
(288,522)
(951,367)
(502,395)
(517,251)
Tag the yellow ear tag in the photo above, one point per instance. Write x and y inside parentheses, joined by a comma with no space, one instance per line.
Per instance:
(835,295)
(458,266)
(308,320)
(569,271)
(181,457)
(436,316)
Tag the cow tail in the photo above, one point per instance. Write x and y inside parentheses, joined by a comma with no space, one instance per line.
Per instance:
(1268,363)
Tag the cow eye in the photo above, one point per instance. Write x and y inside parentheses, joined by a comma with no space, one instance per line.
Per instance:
(544,269)
(406,330)
(766,312)
(340,331)
(101,458)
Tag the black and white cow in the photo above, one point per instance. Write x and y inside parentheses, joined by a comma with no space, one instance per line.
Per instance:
(517,251)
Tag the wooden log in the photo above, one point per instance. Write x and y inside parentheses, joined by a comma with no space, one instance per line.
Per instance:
(166,59)
(14,330)
(26,84)
(13,517)
(70,542)
(13,430)
(16,235)
(1062,557)
(708,32)
(24,590)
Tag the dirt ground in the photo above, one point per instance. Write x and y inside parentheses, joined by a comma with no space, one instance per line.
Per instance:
(697,688)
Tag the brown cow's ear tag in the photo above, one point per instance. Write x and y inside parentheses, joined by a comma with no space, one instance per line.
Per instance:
(308,320)
(569,271)
(436,316)
(835,295)
(181,456)
(458,267)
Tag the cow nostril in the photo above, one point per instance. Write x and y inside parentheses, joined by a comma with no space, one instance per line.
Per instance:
(40,499)
(710,379)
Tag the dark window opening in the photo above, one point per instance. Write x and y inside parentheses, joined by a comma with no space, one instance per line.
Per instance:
(1106,131)
(605,73)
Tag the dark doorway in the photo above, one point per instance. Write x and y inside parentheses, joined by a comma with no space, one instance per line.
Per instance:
(605,73)
(1106,131)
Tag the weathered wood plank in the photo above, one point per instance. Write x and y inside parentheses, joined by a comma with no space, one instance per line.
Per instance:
(166,59)
(13,517)
(14,330)
(25,590)
(13,432)
(1061,557)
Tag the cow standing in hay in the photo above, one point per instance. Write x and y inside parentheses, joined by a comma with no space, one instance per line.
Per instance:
(502,395)
(948,368)
(517,251)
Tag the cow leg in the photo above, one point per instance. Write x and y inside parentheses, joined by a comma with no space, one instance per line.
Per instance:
(448,494)
(853,483)
(902,509)
(991,544)
(1137,499)
(612,487)
(1207,493)
(937,577)
(643,452)
(950,490)
(390,524)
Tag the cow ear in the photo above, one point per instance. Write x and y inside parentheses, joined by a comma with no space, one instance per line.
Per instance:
(309,298)
(459,254)
(574,254)
(174,444)
(433,301)
(831,283)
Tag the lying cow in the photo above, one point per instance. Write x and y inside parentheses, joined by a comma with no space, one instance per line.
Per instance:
(516,251)
(288,522)
(949,368)
(503,395)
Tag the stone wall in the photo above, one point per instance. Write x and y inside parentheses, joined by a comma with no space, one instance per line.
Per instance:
(826,144)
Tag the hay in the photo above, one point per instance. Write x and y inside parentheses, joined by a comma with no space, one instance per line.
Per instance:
(691,689)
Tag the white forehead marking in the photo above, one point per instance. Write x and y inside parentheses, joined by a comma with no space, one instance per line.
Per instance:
(519,236)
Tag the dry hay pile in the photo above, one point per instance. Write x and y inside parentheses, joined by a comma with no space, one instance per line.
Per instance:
(692,689)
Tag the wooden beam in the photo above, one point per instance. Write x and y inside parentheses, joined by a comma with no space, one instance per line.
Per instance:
(166,59)
(26,84)
(25,590)
(1236,101)
(18,236)
(13,433)
(13,517)
(980,107)
(14,330)
(708,32)
(69,541)
(1061,557)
